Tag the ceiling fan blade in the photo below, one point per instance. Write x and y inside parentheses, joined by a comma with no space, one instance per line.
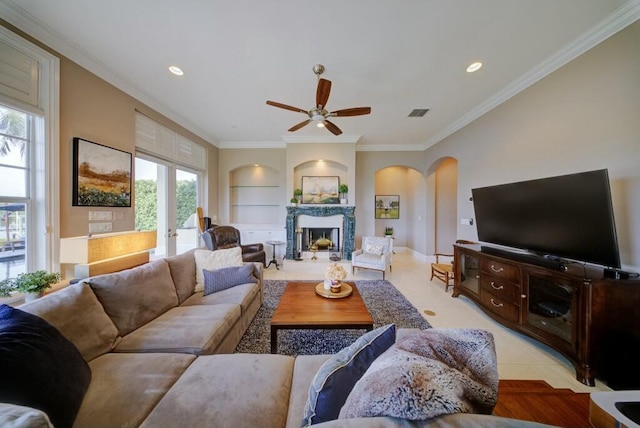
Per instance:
(322,94)
(332,128)
(300,125)
(356,111)
(286,107)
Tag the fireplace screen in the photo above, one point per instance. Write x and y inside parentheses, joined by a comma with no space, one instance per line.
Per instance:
(321,238)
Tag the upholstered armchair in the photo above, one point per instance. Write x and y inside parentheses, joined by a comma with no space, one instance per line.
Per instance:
(221,237)
(376,253)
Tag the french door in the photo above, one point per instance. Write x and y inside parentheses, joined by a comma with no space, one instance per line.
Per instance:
(166,197)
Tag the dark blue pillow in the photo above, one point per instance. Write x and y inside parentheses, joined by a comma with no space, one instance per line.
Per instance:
(221,279)
(335,379)
(40,368)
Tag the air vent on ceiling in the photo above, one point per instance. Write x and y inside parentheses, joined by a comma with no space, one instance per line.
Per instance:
(418,112)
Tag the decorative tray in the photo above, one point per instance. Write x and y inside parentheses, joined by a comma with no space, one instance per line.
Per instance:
(345,290)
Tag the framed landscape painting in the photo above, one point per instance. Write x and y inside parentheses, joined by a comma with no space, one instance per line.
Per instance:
(388,206)
(320,190)
(101,175)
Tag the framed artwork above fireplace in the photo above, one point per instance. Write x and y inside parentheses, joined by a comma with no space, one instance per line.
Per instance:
(320,190)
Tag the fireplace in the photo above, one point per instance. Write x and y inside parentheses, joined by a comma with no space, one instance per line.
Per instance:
(307,223)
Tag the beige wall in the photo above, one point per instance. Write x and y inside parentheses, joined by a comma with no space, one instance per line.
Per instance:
(446,206)
(582,117)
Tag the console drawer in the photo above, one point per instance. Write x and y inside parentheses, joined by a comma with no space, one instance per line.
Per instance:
(500,270)
(499,306)
(501,288)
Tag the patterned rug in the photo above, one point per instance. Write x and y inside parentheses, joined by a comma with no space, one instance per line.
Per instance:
(384,302)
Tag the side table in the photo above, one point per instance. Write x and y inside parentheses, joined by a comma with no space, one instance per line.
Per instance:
(274,244)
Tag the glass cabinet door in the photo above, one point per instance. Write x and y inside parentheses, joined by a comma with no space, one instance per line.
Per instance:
(469,272)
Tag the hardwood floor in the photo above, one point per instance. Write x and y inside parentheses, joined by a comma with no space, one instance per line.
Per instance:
(537,401)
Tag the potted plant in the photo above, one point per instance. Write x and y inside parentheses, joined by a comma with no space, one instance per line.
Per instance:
(388,231)
(298,194)
(33,284)
(294,201)
(343,190)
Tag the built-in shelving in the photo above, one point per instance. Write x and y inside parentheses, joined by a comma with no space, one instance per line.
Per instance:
(254,195)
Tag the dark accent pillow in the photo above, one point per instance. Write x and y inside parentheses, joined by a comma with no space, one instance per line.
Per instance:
(221,279)
(40,368)
(335,379)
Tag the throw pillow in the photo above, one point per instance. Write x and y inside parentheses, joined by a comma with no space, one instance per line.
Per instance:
(427,374)
(221,279)
(217,259)
(374,249)
(337,376)
(40,368)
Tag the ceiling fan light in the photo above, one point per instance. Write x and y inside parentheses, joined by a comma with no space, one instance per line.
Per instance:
(320,124)
(317,117)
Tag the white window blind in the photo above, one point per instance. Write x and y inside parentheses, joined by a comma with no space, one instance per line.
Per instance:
(18,75)
(158,140)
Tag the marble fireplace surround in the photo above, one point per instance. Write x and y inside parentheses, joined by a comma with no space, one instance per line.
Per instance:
(348,225)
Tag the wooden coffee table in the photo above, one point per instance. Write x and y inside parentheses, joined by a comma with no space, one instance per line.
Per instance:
(301,308)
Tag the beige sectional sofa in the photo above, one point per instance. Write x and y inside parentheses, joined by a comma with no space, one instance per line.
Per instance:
(160,355)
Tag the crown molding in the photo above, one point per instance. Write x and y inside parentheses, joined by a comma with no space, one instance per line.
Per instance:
(390,148)
(328,139)
(252,145)
(626,15)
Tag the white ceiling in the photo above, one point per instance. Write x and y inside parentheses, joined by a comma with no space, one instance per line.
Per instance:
(391,55)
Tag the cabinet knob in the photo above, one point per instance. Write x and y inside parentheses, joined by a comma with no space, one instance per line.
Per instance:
(523,296)
(497,305)
(493,285)
(495,269)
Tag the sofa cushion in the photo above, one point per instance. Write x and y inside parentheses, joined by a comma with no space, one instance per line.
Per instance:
(126,387)
(221,279)
(304,370)
(228,390)
(438,371)
(187,329)
(242,295)
(14,416)
(183,273)
(76,312)
(337,376)
(133,297)
(218,259)
(40,367)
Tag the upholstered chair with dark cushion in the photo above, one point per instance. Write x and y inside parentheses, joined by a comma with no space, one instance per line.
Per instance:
(222,237)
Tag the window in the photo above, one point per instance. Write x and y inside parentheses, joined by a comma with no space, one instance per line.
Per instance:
(29,157)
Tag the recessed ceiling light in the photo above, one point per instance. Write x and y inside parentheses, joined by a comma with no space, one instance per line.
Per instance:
(474,67)
(176,70)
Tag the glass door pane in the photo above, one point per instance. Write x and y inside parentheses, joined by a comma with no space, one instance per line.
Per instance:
(151,203)
(187,228)
(13,233)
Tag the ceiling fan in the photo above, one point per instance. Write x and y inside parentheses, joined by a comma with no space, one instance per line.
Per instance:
(319,113)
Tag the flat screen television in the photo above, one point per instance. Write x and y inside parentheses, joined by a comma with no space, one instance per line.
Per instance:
(565,217)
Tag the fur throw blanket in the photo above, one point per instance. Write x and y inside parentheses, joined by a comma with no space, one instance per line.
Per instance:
(429,373)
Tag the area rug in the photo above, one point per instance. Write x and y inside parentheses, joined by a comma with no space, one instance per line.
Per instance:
(384,302)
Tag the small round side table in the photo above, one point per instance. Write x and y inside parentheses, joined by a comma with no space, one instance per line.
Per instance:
(274,244)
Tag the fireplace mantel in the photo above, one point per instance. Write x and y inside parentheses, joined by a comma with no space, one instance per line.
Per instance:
(349,225)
